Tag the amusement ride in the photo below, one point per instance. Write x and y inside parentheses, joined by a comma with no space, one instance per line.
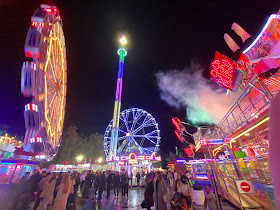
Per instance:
(133,136)
(43,78)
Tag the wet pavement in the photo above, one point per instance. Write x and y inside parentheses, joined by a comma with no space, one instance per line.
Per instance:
(133,201)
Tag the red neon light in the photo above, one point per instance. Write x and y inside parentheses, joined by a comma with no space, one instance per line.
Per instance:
(178,135)
(28,54)
(188,151)
(58,17)
(42,24)
(49,10)
(34,23)
(55,9)
(222,72)
(176,121)
(36,55)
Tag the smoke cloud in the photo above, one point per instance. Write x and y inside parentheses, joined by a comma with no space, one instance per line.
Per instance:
(205,101)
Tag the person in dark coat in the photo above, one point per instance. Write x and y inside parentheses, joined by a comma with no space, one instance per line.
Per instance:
(96,182)
(32,186)
(124,183)
(109,183)
(87,185)
(72,196)
(116,183)
(58,182)
(102,184)
(148,194)
(138,176)
(24,178)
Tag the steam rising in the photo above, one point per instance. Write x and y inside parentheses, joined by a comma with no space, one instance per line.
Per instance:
(205,102)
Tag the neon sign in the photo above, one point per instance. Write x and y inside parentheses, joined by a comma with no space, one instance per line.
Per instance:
(202,176)
(222,72)
(188,151)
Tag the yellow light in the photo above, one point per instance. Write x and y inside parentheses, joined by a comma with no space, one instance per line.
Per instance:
(79,158)
(247,131)
(218,148)
(99,160)
(123,40)
(197,147)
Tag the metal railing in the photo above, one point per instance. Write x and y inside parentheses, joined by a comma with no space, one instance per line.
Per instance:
(254,101)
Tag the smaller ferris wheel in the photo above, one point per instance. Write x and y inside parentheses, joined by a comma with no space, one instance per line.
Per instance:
(44,78)
(138,132)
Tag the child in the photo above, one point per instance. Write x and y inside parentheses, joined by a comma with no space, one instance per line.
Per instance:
(210,199)
(178,203)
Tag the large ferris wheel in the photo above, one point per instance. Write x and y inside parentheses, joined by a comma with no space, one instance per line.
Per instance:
(44,79)
(138,132)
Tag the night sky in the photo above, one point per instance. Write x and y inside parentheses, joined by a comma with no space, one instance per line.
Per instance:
(163,35)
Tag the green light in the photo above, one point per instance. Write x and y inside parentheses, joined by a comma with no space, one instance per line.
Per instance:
(122,53)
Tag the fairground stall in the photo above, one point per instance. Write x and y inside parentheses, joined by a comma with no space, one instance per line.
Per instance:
(242,169)
(69,168)
(7,146)
(200,172)
(133,163)
(12,170)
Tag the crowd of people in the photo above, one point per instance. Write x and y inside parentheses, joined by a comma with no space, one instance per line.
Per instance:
(173,188)
(162,188)
(58,191)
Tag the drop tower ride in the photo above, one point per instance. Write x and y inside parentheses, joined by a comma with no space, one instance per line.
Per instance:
(117,107)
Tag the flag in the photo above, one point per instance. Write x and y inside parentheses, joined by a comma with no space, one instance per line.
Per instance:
(231,43)
(240,32)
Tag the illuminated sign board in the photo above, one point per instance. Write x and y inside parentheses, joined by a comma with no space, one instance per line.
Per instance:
(223,71)
(189,151)
(133,162)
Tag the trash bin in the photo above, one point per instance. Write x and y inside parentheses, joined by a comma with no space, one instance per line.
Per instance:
(198,195)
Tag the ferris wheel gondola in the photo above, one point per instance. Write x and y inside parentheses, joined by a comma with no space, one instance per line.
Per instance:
(44,79)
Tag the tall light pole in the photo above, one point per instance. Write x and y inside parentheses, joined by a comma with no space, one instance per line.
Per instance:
(117,107)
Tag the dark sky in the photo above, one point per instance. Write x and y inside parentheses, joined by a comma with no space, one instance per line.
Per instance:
(163,35)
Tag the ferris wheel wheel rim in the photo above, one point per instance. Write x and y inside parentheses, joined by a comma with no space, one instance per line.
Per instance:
(47,119)
(106,140)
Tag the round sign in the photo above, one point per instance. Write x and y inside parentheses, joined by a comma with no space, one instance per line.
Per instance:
(245,186)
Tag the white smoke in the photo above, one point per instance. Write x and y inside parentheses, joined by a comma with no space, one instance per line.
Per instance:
(205,101)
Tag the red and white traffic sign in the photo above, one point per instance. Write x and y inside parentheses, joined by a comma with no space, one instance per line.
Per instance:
(245,186)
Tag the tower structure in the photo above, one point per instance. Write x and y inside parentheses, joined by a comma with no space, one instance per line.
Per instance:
(117,107)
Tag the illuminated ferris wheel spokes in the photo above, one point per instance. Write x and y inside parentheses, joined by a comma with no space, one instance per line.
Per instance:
(138,131)
(55,84)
